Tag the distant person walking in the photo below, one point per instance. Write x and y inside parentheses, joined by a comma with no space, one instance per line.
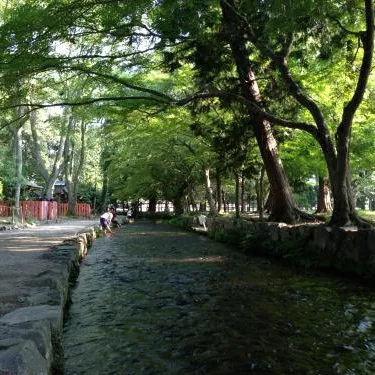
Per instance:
(105,221)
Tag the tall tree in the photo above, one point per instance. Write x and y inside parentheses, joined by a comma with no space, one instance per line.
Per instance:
(74,157)
(49,173)
(274,33)
(278,50)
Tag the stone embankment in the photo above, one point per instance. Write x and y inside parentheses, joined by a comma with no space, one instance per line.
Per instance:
(36,280)
(348,250)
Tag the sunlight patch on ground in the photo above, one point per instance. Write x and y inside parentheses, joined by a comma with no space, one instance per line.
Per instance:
(155,234)
(209,259)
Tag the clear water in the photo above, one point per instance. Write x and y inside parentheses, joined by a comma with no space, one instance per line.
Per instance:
(152,299)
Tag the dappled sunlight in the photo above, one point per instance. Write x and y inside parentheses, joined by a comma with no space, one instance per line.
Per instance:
(27,248)
(187,260)
(31,244)
(156,234)
(209,259)
(200,299)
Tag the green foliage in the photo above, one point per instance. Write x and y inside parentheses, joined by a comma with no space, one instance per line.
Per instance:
(7,171)
(157,216)
(178,221)
(155,157)
(133,59)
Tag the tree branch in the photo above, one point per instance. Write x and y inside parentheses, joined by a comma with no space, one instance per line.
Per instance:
(334,19)
(123,82)
(367,38)
(35,106)
(254,108)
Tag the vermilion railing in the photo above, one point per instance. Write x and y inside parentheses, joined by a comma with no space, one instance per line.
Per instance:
(62,209)
(43,210)
(5,209)
(83,210)
(35,209)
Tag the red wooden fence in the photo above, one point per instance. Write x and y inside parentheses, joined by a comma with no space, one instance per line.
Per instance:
(36,209)
(52,210)
(83,210)
(43,210)
(62,209)
(5,209)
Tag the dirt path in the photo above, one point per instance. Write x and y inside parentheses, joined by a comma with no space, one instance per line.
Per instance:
(22,260)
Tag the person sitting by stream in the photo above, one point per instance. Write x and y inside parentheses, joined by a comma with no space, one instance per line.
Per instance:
(105,221)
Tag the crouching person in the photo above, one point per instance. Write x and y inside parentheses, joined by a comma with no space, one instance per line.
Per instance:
(105,222)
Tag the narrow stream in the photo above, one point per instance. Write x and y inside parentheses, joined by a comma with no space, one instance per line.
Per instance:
(152,299)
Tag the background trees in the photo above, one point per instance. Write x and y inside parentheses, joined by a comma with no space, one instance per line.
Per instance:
(228,71)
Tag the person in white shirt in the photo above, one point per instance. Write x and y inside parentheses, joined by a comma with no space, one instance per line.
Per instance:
(105,221)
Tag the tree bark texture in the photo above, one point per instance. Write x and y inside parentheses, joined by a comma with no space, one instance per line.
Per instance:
(284,208)
(49,176)
(324,203)
(74,158)
(260,193)
(243,185)
(344,208)
(237,194)
(219,197)
(152,204)
(209,195)
(18,161)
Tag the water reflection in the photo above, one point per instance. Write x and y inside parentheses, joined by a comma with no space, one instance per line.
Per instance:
(155,300)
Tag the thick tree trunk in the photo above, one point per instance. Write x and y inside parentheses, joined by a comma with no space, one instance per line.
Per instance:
(243,184)
(219,197)
(284,208)
(178,206)
(225,203)
(193,203)
(17,131)
(237,194)
(209,195)
(337,163)
(269,203)
(260,194)
(19,167)
(152,204)
(73,163)
(49,177)
(344,209)
(104,192)
(324,203)
(166,206)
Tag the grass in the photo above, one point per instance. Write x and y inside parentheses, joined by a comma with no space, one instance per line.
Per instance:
(364,214)
(368,215)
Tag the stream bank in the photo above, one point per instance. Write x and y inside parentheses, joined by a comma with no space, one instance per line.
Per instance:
(37,269)
(347,250)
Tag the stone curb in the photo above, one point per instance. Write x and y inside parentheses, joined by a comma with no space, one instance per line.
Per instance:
(30,337)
